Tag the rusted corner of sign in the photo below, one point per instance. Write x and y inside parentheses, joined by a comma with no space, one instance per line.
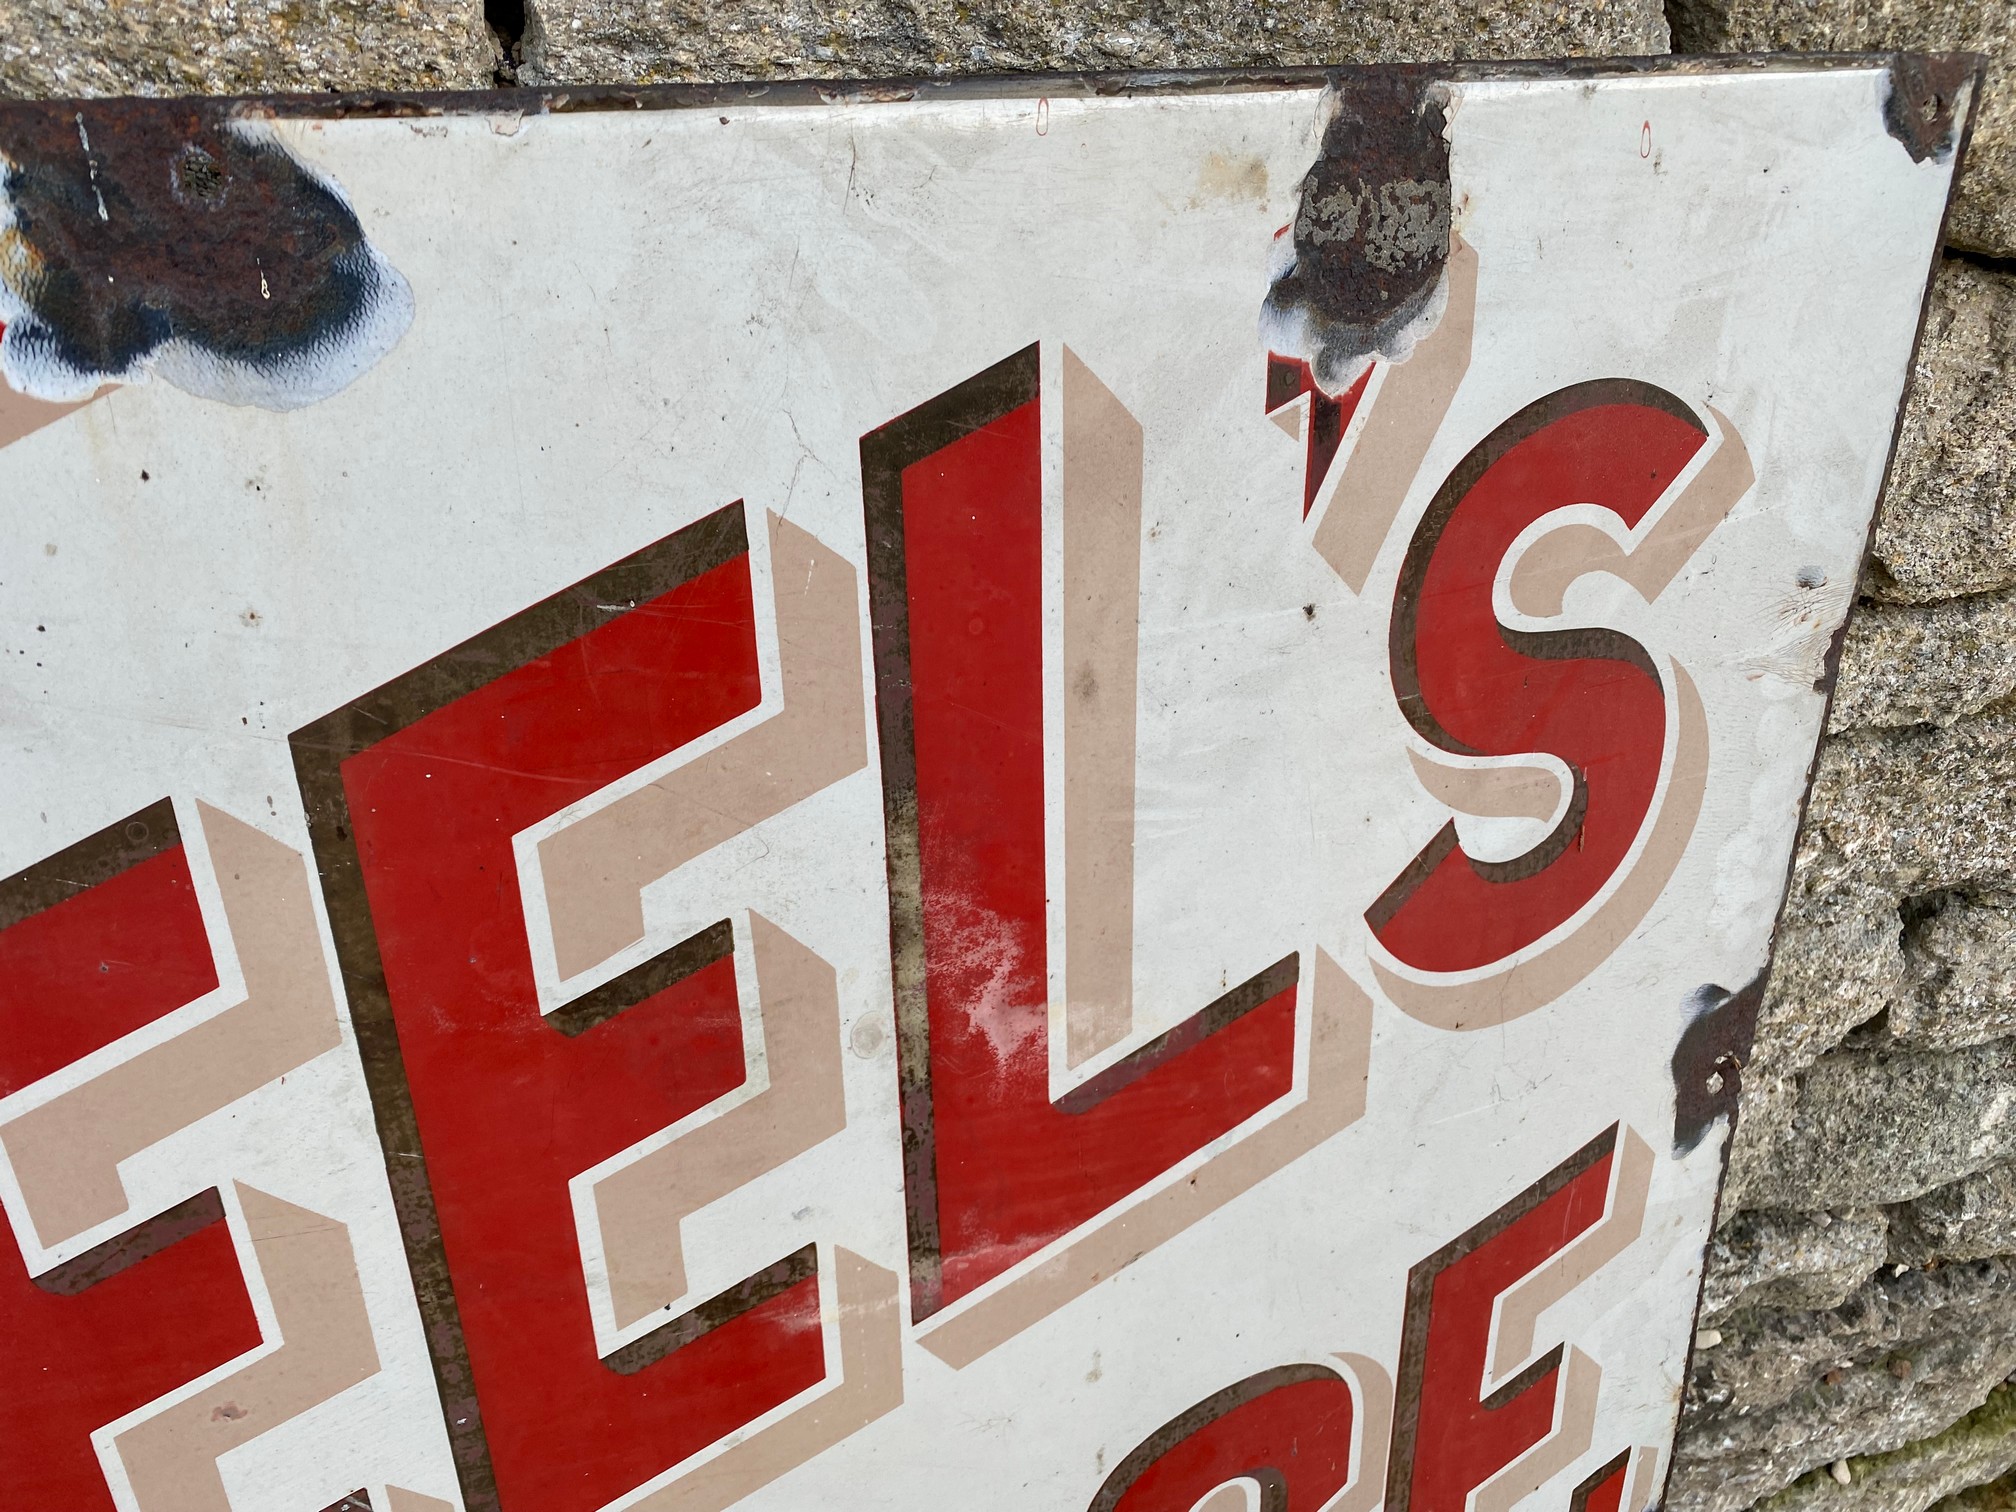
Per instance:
(1930,107)
(180,239)
(1929,100)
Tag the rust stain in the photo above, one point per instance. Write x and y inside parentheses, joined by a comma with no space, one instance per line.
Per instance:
(181,238)
(1362,275)
(1708,1062)
(1921,106)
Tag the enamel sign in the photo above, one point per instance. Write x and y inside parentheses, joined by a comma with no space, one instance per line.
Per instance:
(1058,795)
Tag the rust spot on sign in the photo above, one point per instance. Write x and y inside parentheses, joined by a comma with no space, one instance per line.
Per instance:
(1708,1062)
(1921,107)
(181,237)
(1363,275)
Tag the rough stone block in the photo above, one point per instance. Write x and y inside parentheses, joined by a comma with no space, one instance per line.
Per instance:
(1995,1496)
(1948,525)
(1839,963)
(1904,1358)
(1981,1446)
(1767,1105)
(1926,814)
(1799,1261)
(1918,811)
(1915,824)
(1961,990)
(1882,1126)
(650,41)
(1969,1220)
(1906,664)
(1984,217)
(62,48)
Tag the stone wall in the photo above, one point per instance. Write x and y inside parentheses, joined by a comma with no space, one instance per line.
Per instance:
(1861,1303)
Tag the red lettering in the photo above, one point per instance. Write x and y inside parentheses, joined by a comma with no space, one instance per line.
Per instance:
(1473,687)
(437,771)
(1287,1430)
(82,965)
(96,941)
(1446,1441)
(112,1330)
(996,1170)
(1604,1490)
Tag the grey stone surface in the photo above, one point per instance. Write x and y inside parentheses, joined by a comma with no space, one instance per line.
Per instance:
(1903,1359)
(1981,1446)
(1959,985)
(1802,1261)
(58,48)
(1906,664)
(1918,821)
(1882,1126)
(1765,1122)
(1971,1219)
(1995,1496)
(650,41)
(1948,525)
(1985,215)
(1840,961)
(1921,821)
(1918,811)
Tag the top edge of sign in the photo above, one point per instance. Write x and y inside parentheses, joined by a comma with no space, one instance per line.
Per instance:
(1919,72)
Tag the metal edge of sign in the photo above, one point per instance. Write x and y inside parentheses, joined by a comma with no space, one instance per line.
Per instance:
(1976,73)
(1087,84)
